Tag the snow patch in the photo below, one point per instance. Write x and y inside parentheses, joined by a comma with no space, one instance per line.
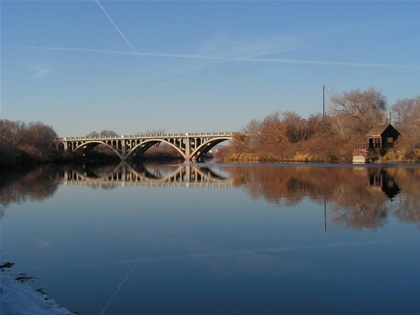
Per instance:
(18,298)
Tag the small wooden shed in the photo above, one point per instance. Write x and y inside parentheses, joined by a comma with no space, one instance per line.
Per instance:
(382,137)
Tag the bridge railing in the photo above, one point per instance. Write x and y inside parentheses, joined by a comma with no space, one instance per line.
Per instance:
(157,135)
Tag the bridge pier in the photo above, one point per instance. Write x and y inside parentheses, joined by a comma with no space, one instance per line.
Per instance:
(123,150)
(187,149)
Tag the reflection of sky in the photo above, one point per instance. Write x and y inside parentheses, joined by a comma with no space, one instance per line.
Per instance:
(206,249)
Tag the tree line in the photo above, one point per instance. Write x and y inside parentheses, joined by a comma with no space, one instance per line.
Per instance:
(330,137)
(279,136)
(22,142)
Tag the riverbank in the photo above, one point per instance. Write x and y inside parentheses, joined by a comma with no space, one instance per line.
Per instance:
(19,298)
(13,157)
(391,156)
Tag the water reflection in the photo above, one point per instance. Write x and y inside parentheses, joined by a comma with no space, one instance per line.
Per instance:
(21,186)
(382,180)
(143,175)
(356,197)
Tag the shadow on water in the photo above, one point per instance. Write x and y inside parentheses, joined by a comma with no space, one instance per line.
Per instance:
(357,197)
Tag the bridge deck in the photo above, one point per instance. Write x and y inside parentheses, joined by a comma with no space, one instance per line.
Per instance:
(153,136)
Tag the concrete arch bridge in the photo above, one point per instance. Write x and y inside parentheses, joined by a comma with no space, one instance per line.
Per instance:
(192,146)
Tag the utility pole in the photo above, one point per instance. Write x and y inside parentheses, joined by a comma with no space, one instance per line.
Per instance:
(323,100)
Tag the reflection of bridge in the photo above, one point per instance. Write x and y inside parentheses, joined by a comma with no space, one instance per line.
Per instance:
(192,146)
(125,175)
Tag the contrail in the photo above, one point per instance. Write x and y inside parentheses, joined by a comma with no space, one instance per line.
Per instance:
(115,52)
(118,289)
(116,27)
(219,253)
(223,59)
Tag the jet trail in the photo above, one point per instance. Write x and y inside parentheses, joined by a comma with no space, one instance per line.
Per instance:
(263,251)
(118,289)
(222,59)
(116,27)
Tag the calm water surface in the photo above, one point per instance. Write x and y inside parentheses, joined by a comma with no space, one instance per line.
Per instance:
(217,239)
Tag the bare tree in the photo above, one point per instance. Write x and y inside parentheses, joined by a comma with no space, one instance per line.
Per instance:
(275,131)
(108,133)
(254,130)
(296,127)
(319,125)
(11,131)
(93,134)
(356,112)
(407,112)
(37,134)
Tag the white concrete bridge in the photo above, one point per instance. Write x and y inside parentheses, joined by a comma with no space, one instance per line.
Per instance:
(192,146)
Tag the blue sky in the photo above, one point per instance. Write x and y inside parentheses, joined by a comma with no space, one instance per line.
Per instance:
(198,66)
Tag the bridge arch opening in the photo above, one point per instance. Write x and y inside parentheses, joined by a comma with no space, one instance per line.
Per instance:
(201,151)
(97,149)
(155,148)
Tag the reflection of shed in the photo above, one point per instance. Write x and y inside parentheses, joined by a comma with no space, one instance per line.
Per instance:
(381,137)
(383,181)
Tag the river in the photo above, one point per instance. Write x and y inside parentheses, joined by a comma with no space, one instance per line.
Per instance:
(217,238)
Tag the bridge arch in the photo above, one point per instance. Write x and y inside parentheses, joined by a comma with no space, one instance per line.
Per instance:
(199,153)
(90,145)
(142,147)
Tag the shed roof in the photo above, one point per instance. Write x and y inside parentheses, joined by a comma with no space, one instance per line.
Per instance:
(378,130)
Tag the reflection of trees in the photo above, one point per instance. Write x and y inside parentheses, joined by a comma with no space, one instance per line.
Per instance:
(1,211)
(34,185)
(357,197)
(408,210)
(289,184)
(359,207)
(408,207)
